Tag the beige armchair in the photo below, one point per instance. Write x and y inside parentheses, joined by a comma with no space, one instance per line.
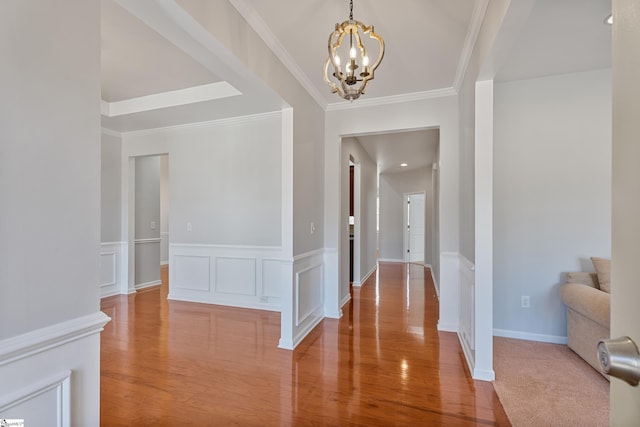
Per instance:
(588,310)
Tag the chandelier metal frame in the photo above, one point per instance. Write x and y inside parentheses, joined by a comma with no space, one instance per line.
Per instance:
(348,84)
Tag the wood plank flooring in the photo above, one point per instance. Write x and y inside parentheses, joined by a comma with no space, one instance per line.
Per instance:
(382,364)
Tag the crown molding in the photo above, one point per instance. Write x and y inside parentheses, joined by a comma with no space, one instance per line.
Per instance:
(210,123)
(265,33)
(477,17)
(110,132)
(394,99)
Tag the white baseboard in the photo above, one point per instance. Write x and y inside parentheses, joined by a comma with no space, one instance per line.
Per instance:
(447,327)
(366,277)
(529,336)
(148,284)
(163,263)
(390,260)
(345,300)
(435,284)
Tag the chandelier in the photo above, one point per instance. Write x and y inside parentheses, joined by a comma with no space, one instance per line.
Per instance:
(350,83)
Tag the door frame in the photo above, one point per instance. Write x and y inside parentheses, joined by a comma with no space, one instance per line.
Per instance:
(405,225)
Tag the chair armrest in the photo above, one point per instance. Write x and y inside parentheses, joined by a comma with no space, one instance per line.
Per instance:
(590,302)
(585,278)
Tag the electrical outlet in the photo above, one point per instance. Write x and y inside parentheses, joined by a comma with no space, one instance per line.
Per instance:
(312,228)
(525,301)
(189,228)
(153,225)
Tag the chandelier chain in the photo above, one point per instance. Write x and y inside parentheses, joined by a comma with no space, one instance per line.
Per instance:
(351,10)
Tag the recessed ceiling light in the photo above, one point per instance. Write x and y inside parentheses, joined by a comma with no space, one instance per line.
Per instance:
(609,20)
(404,165)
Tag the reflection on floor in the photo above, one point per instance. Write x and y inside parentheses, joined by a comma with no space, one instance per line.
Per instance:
(383,363)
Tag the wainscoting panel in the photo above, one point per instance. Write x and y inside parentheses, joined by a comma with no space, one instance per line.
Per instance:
(467,302)
(39,368)
(192,272)
(108,269)
(111,268)
(303,300)
(309,292)
(272,278)
(46,402)
(238,276)
(449,291)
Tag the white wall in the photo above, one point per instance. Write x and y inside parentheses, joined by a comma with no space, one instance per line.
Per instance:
(393,188)
(552,194)
(365,239)
(50,210)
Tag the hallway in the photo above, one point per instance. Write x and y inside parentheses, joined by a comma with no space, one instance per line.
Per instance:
(383,363)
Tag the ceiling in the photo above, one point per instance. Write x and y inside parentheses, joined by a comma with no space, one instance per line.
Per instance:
(156,73)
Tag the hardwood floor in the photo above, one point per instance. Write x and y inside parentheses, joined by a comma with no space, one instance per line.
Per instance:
(383,363)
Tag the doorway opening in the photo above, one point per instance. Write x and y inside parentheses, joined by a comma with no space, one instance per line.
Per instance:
(414,237)
(149,224)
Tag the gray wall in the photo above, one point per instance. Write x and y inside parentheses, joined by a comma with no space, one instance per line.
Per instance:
(49,165)
(308,121)
(110,188)
(393,187)
(367,201)
(164,209)
(224,179)
(147,220)
(552,193)
(50,208)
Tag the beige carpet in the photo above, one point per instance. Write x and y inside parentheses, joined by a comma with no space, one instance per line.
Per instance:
(543,384)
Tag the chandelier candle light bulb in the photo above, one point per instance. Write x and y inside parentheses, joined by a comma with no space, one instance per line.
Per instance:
(350,85)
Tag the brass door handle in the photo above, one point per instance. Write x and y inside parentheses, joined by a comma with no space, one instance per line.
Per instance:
(620,358)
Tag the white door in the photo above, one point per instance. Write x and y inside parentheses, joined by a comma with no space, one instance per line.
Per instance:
(625,251)
(415,226)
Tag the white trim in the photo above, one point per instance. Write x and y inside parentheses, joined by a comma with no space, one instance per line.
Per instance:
(530,336)
(209,123)
(172,98)
(366,277)
(266,306)
(391,260)
(110,132)
(447,327)
(152,240)
(148,284)
(483,374)
(298,320)
(114,268)
(163,263)
(477,18)
(435,283)
(49,337)
(466,263)
(344,301)
(308,254)
(263,30)
(60,382)
(393,99)
(231,247)
(102,244)
(468,353)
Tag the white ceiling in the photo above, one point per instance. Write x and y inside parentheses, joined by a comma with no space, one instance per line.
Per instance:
(146,52)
